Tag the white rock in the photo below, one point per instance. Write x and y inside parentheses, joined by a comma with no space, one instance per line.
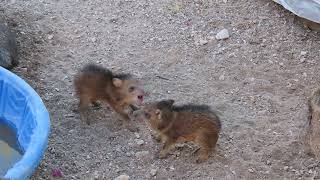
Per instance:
(142,154)
(304,74)
(153,172)
(221,78)
(303,53)
(96,175)
(203,42)
(122,177)
(223,34)
(140,142)
(250,170)
(225,1)
(93,39)
(137,135)
(50,36)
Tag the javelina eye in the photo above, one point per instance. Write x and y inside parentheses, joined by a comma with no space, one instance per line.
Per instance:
(132,88)
(147,115)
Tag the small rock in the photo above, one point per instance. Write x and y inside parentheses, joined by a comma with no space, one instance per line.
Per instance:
(140,142)
(221,78)
(268,162)
(303,53)
(50,36)
(142,154)
(137,135)
(286,168)
(93,39)
(122,177)
(223,34)
(203,42)
(302,60)
(281,64)
(153,172)
(224,1)
(250,170)
(96,175)
(304,74)
(310,171)
(172,168)
(24,69)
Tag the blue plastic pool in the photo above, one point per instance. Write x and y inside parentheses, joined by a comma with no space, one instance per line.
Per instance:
(22,109)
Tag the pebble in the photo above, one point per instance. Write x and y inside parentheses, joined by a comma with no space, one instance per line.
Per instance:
(304,74)
(250,170)
(203,42)
(93,39)
(122,177)
(223,34)
(140,142)
(24,69)
(50,36)
(302,60)
(172,168)
(286,168)
(96,175)
(225,1)
(303,53)
(153,172)
(142,154)
(221,78)
(268,162)
(137,135)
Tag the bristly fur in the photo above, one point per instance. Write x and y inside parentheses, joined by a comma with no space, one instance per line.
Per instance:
(198,109)
(205,109)
(95,69)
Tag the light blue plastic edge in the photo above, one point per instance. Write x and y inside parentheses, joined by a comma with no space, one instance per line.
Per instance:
(34,150)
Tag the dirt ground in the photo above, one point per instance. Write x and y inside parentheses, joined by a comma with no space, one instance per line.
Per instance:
(257,80)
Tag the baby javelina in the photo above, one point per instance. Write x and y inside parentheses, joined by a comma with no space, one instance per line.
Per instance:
(178,124)
(121,91)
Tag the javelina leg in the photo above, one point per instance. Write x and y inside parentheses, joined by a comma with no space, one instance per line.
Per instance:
(206,143)
(169,144)
(127,124)
(84,109)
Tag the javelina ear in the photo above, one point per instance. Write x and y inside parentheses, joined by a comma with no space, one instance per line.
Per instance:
(159,114)
(168,102)
(117,82)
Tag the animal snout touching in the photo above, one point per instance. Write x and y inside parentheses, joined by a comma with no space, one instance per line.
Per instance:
(140,97)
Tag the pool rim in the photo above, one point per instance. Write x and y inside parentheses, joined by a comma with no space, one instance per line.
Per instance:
(33,154)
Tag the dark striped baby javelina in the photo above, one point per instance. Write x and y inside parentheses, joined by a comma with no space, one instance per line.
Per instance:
(8,48)
(120,91)
(177,124)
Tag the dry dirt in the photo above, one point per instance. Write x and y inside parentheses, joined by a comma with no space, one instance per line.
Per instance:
(257,80)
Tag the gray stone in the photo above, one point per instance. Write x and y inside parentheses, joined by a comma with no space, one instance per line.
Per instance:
(223,34)
(122,177)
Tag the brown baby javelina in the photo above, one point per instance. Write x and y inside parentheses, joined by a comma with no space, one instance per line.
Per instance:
(178,124)
(120,91)
(314,123)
